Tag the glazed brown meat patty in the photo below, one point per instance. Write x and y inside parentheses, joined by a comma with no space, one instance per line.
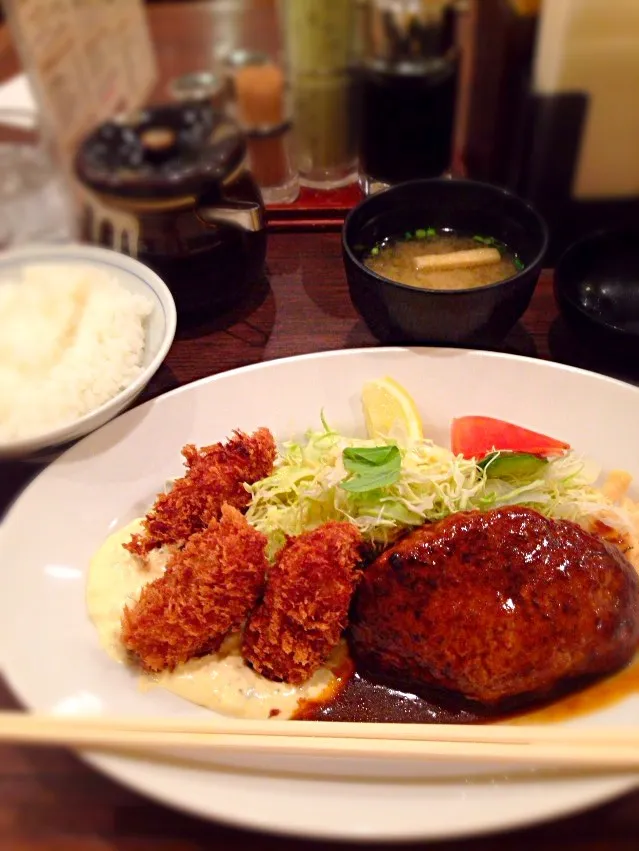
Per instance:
(501,606)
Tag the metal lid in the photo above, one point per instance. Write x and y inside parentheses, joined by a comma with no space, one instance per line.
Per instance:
(197,85)
(161,152)
(241,58)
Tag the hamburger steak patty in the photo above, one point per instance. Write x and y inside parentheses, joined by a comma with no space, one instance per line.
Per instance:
(499,606)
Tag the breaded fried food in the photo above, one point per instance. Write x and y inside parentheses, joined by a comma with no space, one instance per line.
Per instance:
(305,607)
(215,475)
(208,589)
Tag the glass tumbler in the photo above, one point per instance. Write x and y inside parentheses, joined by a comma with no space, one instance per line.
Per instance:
(35,204)
(319,39)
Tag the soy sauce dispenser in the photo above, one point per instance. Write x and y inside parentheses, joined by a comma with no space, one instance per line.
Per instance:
(407,85)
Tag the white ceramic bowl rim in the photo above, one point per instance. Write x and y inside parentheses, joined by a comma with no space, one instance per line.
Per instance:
(100,257)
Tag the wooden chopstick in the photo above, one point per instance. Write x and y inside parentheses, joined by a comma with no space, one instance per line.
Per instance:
(488,733)
(561,747)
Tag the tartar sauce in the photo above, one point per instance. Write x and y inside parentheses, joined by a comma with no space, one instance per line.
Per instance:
(220,681)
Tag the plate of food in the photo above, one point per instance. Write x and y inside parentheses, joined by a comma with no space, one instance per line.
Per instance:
(384,535)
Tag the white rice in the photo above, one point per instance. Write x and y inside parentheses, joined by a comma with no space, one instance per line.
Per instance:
(71,338)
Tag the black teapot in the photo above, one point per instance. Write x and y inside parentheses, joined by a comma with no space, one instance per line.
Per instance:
(169,186)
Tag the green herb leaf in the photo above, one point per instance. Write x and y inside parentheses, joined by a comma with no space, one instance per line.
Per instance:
(364,484)
(420,233)
(519,264)
(369,456)
(431,232)
(371,467)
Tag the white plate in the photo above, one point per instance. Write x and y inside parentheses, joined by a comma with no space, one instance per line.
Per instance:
(51,655)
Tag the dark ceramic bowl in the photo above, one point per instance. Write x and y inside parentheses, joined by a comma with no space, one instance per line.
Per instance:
(597,287)
(401,314)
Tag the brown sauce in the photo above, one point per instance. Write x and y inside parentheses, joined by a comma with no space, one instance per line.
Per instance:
(357,698)
(360,699)
(598,695)
(613,536)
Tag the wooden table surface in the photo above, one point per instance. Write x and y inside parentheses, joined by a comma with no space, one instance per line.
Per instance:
(49,800)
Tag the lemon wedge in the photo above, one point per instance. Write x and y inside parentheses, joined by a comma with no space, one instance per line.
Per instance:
(390,411)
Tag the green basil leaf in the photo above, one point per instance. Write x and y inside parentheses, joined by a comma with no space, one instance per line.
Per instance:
(371,467)
(379,479)
(368,456)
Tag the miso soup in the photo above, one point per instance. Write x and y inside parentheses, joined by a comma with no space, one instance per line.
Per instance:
(443,260)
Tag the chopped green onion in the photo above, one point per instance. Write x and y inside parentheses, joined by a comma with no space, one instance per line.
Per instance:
(519,264)
(431,232)
(408,235)
(420,233)
(375,250)
(485,240)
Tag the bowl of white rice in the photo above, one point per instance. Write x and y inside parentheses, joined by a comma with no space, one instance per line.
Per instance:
(82,331)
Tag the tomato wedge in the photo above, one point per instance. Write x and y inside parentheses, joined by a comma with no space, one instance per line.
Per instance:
(475,437)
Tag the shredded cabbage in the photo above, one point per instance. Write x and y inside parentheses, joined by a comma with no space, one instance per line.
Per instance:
(304,491)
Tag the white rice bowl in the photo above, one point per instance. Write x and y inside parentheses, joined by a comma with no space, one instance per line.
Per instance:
(83,331)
